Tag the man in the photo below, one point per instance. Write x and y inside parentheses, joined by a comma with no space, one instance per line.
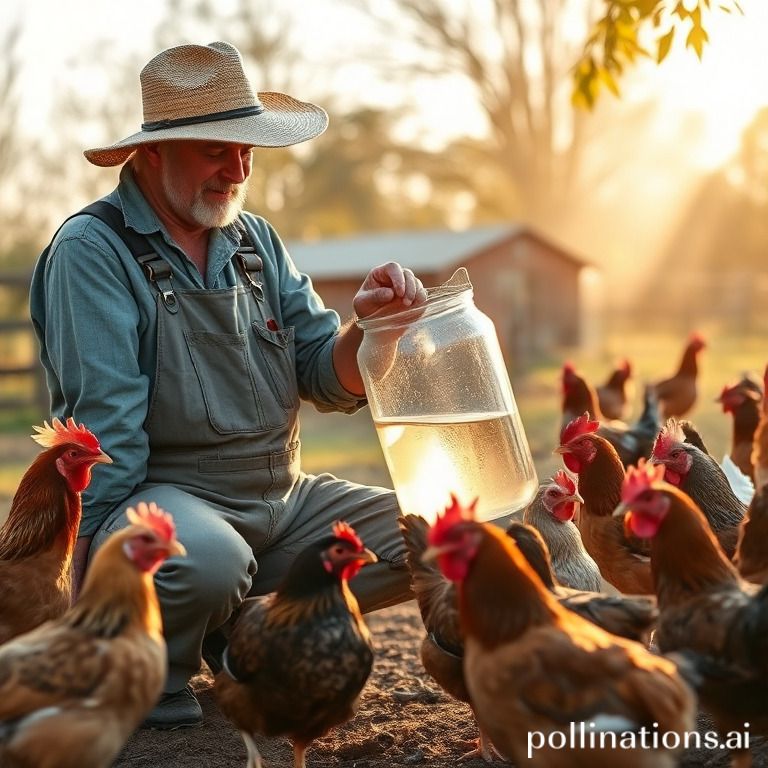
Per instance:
(189,361)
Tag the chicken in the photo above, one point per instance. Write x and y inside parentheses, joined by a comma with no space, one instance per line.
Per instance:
(760,445)
(614,395)
(623,560)
(551,512)
(534,668)
(632,616)
(631,442)
(442,649)
(677,394)
(38,538)
(702,478)
(706,610)
(742,400)
(297,659)
(73,690)
(751,556)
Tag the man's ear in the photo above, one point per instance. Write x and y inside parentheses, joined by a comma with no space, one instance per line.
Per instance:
(151,153)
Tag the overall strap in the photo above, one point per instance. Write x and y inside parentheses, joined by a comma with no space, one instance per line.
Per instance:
(250,263)
(155,267)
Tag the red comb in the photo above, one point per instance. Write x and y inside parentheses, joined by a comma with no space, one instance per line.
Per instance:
(581,425)
(670,436)
(343,530)
(153,517)
(456,513)
(60,434)
(639,479)
(565,481)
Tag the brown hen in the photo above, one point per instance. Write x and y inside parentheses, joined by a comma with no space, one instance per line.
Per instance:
(743,400)
(298,658)
(719,621)
(751,556)
(73,690)
(38,538)
(613,396)
(534,667)
(677,394)
(442,649)
(622,559)
(760,445)
(631,441)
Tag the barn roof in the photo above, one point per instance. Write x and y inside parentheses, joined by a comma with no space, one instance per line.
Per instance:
(421,250)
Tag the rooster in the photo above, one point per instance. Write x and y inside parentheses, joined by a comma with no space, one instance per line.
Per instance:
(630,616)
(751,556)
(297,659)
(742,400)
(702,478)
(677,394)
(533,667)
(38,538)
(551,512)
(613,396)
(631,442)
(73,690)
(623,560)
(760,445)
(706,611)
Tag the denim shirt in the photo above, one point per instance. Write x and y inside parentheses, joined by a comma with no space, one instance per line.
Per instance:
(95,316)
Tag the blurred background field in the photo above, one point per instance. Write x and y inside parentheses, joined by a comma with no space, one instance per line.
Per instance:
(348,447)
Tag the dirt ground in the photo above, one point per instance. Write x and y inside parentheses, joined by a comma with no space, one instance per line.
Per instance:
(404,719)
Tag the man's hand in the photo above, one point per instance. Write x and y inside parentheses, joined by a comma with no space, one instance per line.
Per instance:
(391,286)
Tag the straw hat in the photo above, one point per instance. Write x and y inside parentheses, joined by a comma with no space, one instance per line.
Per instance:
(201,92)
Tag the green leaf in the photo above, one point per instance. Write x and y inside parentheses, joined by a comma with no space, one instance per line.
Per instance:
(664,43)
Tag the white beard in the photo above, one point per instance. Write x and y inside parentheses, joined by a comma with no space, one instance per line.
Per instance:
(208,215)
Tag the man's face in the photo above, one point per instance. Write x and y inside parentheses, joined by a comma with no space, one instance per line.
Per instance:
(205,181)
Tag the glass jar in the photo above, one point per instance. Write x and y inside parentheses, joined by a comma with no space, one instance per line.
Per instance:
(443,406)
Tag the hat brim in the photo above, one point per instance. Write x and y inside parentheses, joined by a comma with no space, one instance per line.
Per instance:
(284,121)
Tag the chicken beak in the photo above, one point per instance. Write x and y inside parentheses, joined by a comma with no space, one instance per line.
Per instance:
(177,548)
(366,556)
(102,458)
(576,496)
(561,449)
(621,510)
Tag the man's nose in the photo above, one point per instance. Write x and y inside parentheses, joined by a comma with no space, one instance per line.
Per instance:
(238,167)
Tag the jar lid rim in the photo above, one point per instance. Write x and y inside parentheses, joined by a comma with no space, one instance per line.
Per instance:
(457,287)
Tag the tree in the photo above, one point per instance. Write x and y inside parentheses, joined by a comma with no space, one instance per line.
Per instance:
(615,40)
(540,160)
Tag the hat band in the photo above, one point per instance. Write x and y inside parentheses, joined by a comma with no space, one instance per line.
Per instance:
(229,114)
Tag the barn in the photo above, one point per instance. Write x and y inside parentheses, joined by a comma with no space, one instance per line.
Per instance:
(531,288)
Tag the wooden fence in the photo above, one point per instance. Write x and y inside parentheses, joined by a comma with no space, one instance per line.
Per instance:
(22,380)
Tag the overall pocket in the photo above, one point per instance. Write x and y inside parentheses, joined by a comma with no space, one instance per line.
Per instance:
(230,391)
(278,354)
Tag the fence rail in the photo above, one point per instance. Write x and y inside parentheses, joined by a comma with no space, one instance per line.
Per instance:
(18,359)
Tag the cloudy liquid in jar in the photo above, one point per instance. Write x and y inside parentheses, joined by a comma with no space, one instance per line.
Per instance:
(481,455)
